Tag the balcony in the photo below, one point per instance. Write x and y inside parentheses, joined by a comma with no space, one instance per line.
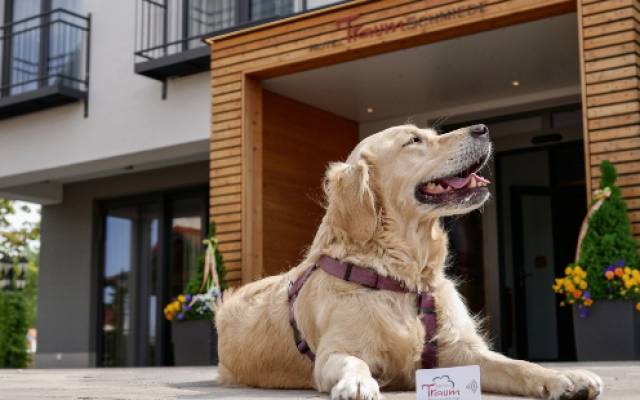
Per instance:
(169,33)
(45,62)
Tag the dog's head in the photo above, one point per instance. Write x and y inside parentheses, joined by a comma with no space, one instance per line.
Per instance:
(410,174)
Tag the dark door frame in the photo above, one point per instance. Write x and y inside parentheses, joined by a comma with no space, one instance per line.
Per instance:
(163,199)
(520,276)
(565,328)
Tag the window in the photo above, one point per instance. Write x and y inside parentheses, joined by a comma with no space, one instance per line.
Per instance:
(263,9)
(169,33)
(44,55)
(150,249)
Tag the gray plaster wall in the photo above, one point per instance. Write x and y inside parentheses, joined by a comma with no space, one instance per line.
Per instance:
(68,277)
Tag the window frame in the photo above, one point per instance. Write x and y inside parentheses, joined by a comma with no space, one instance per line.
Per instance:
(164,199)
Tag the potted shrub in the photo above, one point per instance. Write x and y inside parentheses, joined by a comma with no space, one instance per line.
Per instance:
(603,286)
(191,314)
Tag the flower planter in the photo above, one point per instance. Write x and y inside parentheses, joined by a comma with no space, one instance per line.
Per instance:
(610,332)
(194,343)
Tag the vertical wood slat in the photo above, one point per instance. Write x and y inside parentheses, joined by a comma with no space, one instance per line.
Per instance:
(609,58)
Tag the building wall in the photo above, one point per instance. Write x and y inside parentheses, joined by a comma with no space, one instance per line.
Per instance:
(611,98)
(241,59)
(67,291)
(127,116)
(298,142)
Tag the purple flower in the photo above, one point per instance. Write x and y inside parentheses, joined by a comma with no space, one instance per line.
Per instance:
(586,294)
(611,268)
(186,307)
(621,263)
(187,298)
(584,312)
(181,316)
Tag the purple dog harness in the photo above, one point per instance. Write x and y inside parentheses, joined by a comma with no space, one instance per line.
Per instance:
(368,278)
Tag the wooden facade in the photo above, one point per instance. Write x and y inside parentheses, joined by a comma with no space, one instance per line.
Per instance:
(610,50)
(240,60)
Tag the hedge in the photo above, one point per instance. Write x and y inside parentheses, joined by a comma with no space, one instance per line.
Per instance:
(13,330)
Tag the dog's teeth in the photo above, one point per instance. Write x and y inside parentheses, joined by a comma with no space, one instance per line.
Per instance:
(473,183)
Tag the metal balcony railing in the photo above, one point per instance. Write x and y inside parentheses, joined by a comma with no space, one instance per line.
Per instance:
(169,33)
(45,61)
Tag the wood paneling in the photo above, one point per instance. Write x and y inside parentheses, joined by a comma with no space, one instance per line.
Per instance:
(298,142)
(609,36)
(344,32)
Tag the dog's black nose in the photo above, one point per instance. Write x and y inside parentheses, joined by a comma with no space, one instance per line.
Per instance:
(479,130)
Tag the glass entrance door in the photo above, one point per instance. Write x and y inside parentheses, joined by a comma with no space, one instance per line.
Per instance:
(150,249)
(130,285)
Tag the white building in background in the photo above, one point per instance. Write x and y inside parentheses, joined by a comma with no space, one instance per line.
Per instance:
(104,120)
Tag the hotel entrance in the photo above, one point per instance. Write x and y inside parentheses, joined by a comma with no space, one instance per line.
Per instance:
(281,113)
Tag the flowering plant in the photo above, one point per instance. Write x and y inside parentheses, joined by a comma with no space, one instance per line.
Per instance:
(620,282)
(191,307)
(197,303)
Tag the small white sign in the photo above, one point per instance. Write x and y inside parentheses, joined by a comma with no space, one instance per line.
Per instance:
(458,383)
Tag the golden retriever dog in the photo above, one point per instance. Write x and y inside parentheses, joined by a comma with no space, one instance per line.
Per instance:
(383,210)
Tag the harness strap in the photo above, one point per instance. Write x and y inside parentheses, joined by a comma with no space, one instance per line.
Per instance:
(294,290)
(368,278)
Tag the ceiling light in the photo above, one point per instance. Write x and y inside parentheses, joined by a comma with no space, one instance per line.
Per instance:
(515,83)
(369,110)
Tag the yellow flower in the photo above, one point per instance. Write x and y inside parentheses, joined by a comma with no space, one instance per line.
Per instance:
(577,280)
(568,271)
(569,286)
(181,298)
(627,270)
(638,306)
(583,285)
(588,302)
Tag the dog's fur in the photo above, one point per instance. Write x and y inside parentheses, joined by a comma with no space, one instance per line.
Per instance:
(366,339)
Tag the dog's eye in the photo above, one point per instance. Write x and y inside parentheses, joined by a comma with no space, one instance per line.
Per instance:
(415,139)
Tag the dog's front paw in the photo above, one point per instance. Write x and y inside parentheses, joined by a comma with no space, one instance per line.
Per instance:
(574,385)
(356,387)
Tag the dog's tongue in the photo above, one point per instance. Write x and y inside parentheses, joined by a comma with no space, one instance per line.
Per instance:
(459,183)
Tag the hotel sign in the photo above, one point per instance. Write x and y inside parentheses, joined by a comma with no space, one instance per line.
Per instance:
(356,31)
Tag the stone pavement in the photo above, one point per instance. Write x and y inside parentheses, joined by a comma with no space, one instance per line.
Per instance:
(621,379)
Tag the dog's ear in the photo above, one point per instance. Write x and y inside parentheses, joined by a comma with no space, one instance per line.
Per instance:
(351,202)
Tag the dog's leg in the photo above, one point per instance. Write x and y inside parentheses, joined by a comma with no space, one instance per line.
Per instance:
(501,374)
(346,377)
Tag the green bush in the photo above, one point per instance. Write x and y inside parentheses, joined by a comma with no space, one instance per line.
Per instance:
(609,240)
(13,330)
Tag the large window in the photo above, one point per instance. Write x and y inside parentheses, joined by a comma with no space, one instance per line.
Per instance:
(150,249)
(169,32)
(44,46)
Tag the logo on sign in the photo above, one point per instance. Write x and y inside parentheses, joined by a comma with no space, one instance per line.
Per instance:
(454,383)
(441,387)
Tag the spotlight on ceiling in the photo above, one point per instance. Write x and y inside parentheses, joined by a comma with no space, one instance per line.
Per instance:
(369,110)
(515,83)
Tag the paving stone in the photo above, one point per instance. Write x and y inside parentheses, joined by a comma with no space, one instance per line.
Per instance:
(622,382)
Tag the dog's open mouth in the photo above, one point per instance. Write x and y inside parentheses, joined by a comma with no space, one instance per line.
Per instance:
(455,187)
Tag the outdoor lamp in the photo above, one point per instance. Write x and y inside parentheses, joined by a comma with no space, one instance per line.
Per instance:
(6,275)
(21,281)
